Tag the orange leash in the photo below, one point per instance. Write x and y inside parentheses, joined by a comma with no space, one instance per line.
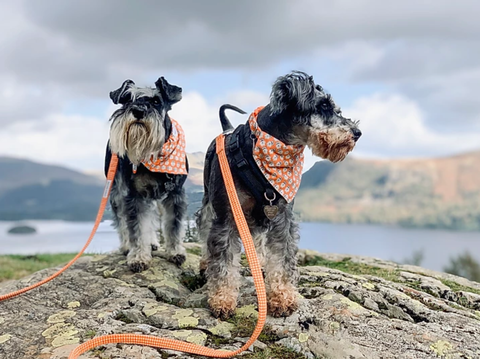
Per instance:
(171,344)
(108,185)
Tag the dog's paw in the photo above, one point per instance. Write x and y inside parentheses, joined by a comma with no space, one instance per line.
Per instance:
(282,303)
(223,303)
(177,256)
(222,314)
(137,267)
(178,259)
(138,262)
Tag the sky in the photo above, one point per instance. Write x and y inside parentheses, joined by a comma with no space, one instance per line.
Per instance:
(407,70)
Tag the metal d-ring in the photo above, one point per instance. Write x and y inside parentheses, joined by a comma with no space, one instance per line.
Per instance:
(270,199)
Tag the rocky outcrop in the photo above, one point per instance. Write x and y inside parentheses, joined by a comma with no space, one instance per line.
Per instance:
(351,307)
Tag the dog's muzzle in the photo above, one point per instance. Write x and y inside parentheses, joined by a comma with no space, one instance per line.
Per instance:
(356,134)
(138,112)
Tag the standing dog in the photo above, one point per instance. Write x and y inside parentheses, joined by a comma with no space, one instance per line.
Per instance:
(151,171)
(266,159)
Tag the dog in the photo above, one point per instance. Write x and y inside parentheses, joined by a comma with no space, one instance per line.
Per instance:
(152,170)
(266,159)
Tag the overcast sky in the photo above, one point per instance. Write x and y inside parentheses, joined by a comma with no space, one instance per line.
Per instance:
(408,70)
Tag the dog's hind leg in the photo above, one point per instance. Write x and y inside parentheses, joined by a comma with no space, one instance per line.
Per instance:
(142,222)
(204,223)
(223,270)
(173,216)
(281,273)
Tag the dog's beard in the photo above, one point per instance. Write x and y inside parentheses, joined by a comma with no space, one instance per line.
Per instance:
(136,139)
(333,144)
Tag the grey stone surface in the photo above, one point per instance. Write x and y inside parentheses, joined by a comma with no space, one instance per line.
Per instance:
(390,311)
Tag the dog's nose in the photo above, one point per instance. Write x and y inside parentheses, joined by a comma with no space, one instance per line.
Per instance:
(138,113)
(356,133)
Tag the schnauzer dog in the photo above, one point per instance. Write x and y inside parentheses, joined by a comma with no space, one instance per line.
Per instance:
(151,172)
(266,159)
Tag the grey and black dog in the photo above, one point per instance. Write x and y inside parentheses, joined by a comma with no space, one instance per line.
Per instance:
(299,113)
(139,130)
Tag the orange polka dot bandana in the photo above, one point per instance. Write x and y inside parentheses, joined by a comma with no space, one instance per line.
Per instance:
(172,157)
(281,164)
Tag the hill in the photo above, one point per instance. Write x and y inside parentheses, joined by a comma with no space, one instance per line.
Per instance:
(15,173)
(31,190)
(434,193)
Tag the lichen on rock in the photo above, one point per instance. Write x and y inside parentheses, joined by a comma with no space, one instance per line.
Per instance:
(351,307)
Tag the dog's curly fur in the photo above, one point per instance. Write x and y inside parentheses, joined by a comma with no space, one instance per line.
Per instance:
(138,130)
(299,113)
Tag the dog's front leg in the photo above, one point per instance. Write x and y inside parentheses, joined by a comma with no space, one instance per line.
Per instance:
(281,264)
(119,209)
(142,223)
(223,268)
(173,216)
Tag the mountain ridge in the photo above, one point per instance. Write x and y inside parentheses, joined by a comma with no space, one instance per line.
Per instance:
(441,192)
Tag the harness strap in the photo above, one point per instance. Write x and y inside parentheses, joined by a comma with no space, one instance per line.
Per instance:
(247,169)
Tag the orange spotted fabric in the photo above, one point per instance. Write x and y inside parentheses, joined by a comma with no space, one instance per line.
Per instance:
(281,164)
(172,157)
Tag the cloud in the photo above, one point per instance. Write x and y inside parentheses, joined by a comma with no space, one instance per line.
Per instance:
(394,126)
(25,102)
(76,142)
(89,41)
(442,76)
(200,120)
(57,56)
(79,141)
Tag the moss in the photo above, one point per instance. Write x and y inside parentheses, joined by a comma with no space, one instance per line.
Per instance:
(217,341)
(194,250)
(243,260)
(274,351)
(244,327)
(123,318)
(458,287)
(98,352)
(90,334)
(347,266)
(192,281)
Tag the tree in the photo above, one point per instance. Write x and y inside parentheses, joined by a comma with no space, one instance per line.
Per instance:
(464,265)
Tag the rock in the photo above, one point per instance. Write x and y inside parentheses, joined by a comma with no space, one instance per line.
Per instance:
(351,307)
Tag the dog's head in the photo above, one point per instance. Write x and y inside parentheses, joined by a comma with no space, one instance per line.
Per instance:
(313,117)
(139,127)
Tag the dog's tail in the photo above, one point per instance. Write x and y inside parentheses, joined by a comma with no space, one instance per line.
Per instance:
(226,124)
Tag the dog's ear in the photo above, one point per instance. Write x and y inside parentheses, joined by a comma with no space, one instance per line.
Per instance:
(170,93)
(121,95)
(295,91)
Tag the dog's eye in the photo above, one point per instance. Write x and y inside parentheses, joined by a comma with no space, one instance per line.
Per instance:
(326,106)
(156,101)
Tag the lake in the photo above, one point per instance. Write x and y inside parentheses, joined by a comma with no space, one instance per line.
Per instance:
(385,242)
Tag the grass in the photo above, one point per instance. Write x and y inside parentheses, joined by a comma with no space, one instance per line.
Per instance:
(347,266)
(194,250)
(458,287)
(18,266)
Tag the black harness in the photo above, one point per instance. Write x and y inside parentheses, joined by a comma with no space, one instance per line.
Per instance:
(239,147)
